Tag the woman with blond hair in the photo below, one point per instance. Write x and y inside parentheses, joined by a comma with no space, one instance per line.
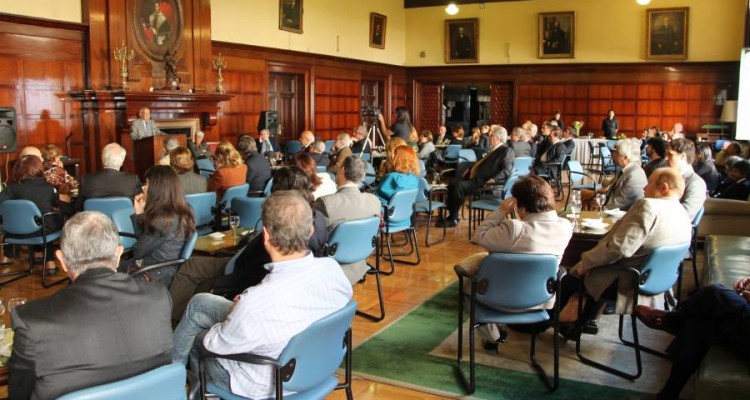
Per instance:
(230,169)
(404,175)
(387,165)
(181,159)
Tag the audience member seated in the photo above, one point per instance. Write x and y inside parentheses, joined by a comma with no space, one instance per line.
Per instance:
(110,181)
(169,143)
(426,147)
(442,138)
(413,140)
(627,186)
(360,142)
(518,143)
(163,222)
(201,274)
(266,145)
(27,182)
(740,189)
(676,132)
(104,327)
(654,221)
(473,140)
(728,149)
(55,173)
(457,136)
(705,168)
(318,154)
(680,156)
(322,183)
(386,165)
(484,140)
(404,175)
(528,137)
(550,162)
(340,151)
(543,142)
(299,290)
(348,203)
(181,159)
(538,230)
(197,146)
(656,150)
(712,315)
(258,167)
(306,139)
(493,169)
(230,169)
(726,180)
(567,138)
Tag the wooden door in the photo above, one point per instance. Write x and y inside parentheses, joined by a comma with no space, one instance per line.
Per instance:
(285,96)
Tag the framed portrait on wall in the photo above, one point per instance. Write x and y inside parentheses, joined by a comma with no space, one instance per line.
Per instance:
(667,33)
(377,30)
(557,34)
(290,15)
(462,40)
(158,26)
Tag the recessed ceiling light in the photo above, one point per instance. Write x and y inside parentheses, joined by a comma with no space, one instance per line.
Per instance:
(452,9)
(643,2)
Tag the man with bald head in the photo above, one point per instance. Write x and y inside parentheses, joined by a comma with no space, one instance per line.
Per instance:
(306,139)
(30,151)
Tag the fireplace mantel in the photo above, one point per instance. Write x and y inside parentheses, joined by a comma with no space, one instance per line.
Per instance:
(107,115)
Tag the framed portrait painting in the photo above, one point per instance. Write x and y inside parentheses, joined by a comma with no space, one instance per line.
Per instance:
(290,15)
(158,26)
(557,32)
(667,33)
(462,40)
(377,30)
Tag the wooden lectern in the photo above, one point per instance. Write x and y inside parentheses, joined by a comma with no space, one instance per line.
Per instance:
(148,151)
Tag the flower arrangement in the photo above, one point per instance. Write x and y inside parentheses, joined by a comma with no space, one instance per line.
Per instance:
(622,136)
(577,125)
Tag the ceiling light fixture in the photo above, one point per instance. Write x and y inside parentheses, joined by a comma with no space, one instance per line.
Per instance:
(643,2)
(452,9)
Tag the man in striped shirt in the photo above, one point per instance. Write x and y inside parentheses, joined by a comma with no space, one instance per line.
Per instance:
(298,291)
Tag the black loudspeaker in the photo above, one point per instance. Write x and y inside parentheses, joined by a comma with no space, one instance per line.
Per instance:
(7,130)
(269,120)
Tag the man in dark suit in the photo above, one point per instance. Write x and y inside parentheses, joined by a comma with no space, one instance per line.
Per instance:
(267,145)
(258,167)
(318,153)
(104,327)
(542,141)
(550,162)
(495,168)
(740,189)
(110,181)
(569,134)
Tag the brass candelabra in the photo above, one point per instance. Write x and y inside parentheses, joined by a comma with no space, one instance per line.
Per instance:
(123,55)
(219,63)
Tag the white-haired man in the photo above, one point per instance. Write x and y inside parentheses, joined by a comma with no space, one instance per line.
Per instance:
(627,186)
(104,327)
(341,150)
(144,126)
(109,181)
(170,143)
(299,290)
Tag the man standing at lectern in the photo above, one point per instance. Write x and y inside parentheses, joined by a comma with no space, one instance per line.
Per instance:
(144,126)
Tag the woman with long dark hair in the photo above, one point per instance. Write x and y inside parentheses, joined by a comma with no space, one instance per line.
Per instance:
(322,183)
(163,222)
(402,128)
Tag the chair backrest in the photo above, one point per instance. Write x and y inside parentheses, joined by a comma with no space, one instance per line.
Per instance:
(292,147)
(606,155)
(318,350)
(466,159)
(124,224)
(424,190)
(698,216)
(249,209)
(108,205)
(370,175)
(268,187)
(516,281)
(234,192)
(353,240)
(329,145)
(576,172)
(20,217)
(205,166)
(451,152)
(522,165)
(661,269)
(402,204)
(422,169)
(203,205)
(367,157)
(187,249)
(166,383)
(509,183)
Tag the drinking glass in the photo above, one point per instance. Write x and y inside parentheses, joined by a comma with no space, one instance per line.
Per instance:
(15,302)
(234,223)
(575,208)
(601,198)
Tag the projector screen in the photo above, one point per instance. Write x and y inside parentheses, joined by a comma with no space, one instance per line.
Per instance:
(743,99)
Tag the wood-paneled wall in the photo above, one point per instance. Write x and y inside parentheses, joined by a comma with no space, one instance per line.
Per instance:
(39,62)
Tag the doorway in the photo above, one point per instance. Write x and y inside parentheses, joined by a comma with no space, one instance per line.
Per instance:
(466,105)
(286,94)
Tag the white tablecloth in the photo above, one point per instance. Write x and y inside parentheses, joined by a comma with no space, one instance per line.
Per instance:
(582,151)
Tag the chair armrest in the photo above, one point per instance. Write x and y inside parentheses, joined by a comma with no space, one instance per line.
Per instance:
(50,214)
(461,272)
(159,265)
(127,234)
(193,385)
(561,272)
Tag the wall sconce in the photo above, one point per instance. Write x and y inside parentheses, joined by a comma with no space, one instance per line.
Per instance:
(452,9)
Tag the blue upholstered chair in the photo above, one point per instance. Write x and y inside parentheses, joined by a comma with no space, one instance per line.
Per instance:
(204,207)
(308,363)
(488,202)
(451,154)
(249,209)
(576,179)
(694,246)
(352,241)
(427,203)
(232,193)
(185,254)
(502,291)
(292,147)
(398,217)
(522,165)
(108,205)
(164,383)
(125,228)
(23,225)
(329,145)
(656,276)
(205,166)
